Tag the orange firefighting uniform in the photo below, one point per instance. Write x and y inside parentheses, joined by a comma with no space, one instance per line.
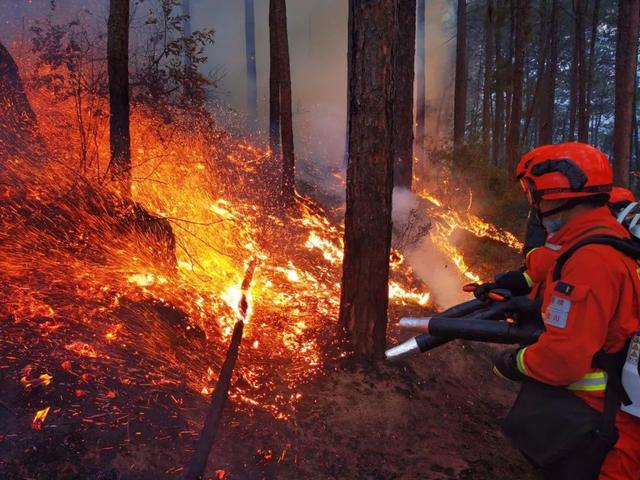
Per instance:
(595,304)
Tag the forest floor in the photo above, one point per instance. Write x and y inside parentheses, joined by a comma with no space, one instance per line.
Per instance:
(433,417)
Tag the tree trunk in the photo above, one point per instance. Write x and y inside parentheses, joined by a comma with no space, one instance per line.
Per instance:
(513,138)
(489,35)
(421,90)
(274,83)
(577,97)
(118,67)
(367,237)
(543,53)
(582,119)
(403,106)
(626,63)
(18,125)
(498,119)
(460,93)
(186,27)
(592,57)
(548,87)
(286,113)
(250,48)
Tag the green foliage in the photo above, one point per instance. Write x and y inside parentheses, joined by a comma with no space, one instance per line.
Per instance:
(469,180)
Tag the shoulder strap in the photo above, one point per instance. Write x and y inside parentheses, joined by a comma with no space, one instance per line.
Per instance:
(623,245)
(612,364)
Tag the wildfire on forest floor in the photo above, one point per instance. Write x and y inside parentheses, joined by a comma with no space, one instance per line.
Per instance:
(98,315)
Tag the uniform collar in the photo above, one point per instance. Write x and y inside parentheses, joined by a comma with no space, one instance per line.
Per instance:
(598,221)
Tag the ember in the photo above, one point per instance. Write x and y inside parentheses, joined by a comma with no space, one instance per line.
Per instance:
(40,417)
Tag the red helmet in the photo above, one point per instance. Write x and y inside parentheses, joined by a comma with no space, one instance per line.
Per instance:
(619,194)
(567,170)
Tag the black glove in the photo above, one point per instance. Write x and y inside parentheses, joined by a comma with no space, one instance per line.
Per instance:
(535,235)
(513,281)
(505,365)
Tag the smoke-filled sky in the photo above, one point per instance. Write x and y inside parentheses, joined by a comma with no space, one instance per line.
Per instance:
(318,44)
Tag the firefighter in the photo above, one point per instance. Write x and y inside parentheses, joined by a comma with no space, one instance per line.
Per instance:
(590,305)
(541,252)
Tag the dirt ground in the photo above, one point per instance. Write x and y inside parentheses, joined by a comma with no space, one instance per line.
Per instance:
(434,418)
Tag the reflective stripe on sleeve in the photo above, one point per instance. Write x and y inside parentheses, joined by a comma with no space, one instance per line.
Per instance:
(527,277)
(531,251)
(520,361)
(591,382)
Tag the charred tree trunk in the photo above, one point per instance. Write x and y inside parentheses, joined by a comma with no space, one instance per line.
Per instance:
(548,88)
(186,27)
(626,63)
(460,93)
(118,66)
(403,106)
(186,32)
(421,90)
(18,124)
(250,48)
(278,13)
(498,119)
(274,84)
(513,138)
(582,119)
(592,57)
(365,274)
(543,53)
(489,35)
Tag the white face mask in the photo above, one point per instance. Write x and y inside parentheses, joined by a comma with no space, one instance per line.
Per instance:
(552,225)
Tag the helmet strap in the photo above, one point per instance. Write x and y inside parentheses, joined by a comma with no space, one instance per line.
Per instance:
(568,205)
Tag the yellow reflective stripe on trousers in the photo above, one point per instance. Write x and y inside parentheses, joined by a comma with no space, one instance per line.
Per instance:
(591,382)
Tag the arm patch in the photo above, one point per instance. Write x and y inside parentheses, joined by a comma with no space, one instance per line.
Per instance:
(564,288)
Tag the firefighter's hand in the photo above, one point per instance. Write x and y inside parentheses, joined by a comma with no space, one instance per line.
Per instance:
(505,365)
(514,281)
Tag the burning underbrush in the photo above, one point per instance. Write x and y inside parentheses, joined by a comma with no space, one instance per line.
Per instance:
(115,312)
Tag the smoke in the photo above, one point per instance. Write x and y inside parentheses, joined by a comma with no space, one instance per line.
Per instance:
(428,263)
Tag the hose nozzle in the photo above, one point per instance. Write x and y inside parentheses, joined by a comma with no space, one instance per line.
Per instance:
(421,324)
(404,350)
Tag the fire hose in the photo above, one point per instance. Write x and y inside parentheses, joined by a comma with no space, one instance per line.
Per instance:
(499,319)
(207,437)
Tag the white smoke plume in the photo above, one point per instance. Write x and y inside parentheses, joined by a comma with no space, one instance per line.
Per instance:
(433,267)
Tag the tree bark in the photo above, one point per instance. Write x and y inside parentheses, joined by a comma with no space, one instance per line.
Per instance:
(403,107)
(582,119)
(18,124)
(543,53)
(421,91)
(460,92)
(367,237)
(279,10)
(548,88)
(118,69)
(274,83)
(498,119)
(626,63)
(592,57)
(250,48)
(513,139)
(489,36)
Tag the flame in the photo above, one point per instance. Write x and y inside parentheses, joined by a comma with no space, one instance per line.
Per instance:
(39,418)
(448,220)
(102,288)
